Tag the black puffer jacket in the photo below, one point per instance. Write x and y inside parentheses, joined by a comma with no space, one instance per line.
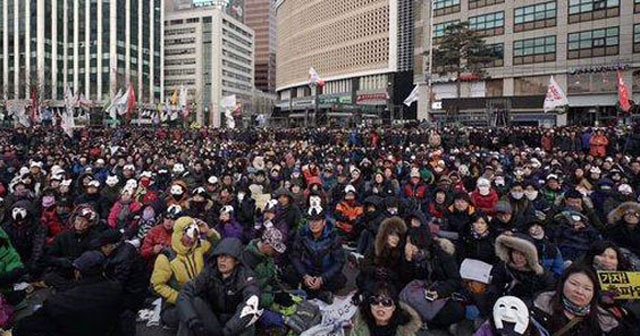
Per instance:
(226,297)
(437,265)
(27,235)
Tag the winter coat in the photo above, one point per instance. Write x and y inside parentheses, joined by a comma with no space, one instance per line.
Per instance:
(114,220)
(436,265)
(110,194)
(91,308)
(98,203)
(287,220)
(550,256)
(378,258)
(506,280)
(232,300)
(157,235)
(598,146)
(230,229)
(10,265)
(179,265)
(204,211)
(480,248)
(486,204)
(28,237)
(360,327)
(323,257)
(621,233)
(523,211)
(265,270)
(69,245)
(52,223)
(128,268)
(574,244)
(459,221)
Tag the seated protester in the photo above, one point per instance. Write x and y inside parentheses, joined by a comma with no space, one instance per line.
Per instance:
(245,212)
(573,200)
(623,228)
(259,256)
(484,198)
(200,206)
(510,316)
(178,194)
(478,242)
(383,262)
(574,235)
(223,299)
(519,273)
(347,214)
(27,235)
(370,222)
(111,191)
(380,186)
(266,221)
(123,211)
(432,263)
(142,224)
(124,265)
(382,313)
(69,245)
(317,258)
(438,205)
(460,214)
(92,196)
(159,237)
(573,307)
(415,189)
(522,209)
(11,268)
(227,224)
(548,252)
(503,221)
(532,193)
(50,218)
(181,263)
(606,256)
(91,307)
(288,215)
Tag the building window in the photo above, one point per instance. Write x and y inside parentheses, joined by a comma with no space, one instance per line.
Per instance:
(438,31)
(534,50)
(473,4)
(535,17)
(588,10)
(497,51)
(636,81)
(531,85)
(494,87)
(636,38)
(636,6)
(488,24)
(443,7)
(597,82)
(593,43)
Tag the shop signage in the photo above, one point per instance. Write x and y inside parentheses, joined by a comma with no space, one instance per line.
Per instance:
(379,98)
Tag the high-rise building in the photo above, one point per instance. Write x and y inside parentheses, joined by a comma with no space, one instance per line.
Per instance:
(360,48)
(93,47)
(212,55)
(582,43)
(261,17)
(234,8)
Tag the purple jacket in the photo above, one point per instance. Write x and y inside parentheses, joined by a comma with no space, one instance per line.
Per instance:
(231,229)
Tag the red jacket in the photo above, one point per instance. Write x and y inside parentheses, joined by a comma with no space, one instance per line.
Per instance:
(418,192)
(599,145)
(157,235)
(113,220)
(53,224)
(486,204)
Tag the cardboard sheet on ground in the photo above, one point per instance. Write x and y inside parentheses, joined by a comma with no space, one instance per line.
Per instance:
(623,285)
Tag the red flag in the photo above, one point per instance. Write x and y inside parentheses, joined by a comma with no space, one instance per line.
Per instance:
(131,105)
(35,106)
(623,94)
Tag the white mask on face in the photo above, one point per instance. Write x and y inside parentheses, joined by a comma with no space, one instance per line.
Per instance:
(241,196)
(112,180)
(531,195)
(19,214)
(176,190)
(484,191)
(517,195)
(511,309)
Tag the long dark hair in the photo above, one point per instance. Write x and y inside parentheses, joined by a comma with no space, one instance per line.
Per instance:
(558,319)
(399,317)
(598,247)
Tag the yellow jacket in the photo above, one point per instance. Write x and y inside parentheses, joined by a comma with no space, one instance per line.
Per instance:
(169,276)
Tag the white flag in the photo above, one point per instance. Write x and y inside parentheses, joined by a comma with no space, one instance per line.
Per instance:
(112,109)
(122,104)
(413,96)
(314,78)
(182,98)
(555,96)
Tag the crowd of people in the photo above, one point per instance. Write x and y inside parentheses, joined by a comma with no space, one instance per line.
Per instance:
(239,232)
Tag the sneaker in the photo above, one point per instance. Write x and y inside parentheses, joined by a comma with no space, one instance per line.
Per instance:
(326,297)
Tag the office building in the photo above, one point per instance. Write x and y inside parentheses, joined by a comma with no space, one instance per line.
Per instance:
(212,55)
(582,43)
(261,17)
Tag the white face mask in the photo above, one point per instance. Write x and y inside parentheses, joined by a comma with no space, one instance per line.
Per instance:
(531,195)
(241,196)
(484,191)
(392,211)
(176,190)
(517,195)
(19,214)
(499,182)
(511,309)
(112,181)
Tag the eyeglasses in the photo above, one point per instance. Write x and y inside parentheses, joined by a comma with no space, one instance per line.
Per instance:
(381,301)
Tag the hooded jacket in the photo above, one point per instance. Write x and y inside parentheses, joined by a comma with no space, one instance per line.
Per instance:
(619,232)
(10,264)
(27,237)
(265,270)
(360,327)
(233,300)
(323,257)
(180,264)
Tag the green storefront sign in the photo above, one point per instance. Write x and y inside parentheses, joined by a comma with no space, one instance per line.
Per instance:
(335,100)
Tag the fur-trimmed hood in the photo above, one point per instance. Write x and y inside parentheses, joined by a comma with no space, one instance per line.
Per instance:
(519,242)
(360,327)
(388,225)
(616,214)
(446,245)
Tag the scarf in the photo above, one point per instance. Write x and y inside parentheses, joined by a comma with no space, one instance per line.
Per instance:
(574,309)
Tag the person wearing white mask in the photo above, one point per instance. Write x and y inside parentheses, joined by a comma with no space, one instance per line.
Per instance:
(485,198)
